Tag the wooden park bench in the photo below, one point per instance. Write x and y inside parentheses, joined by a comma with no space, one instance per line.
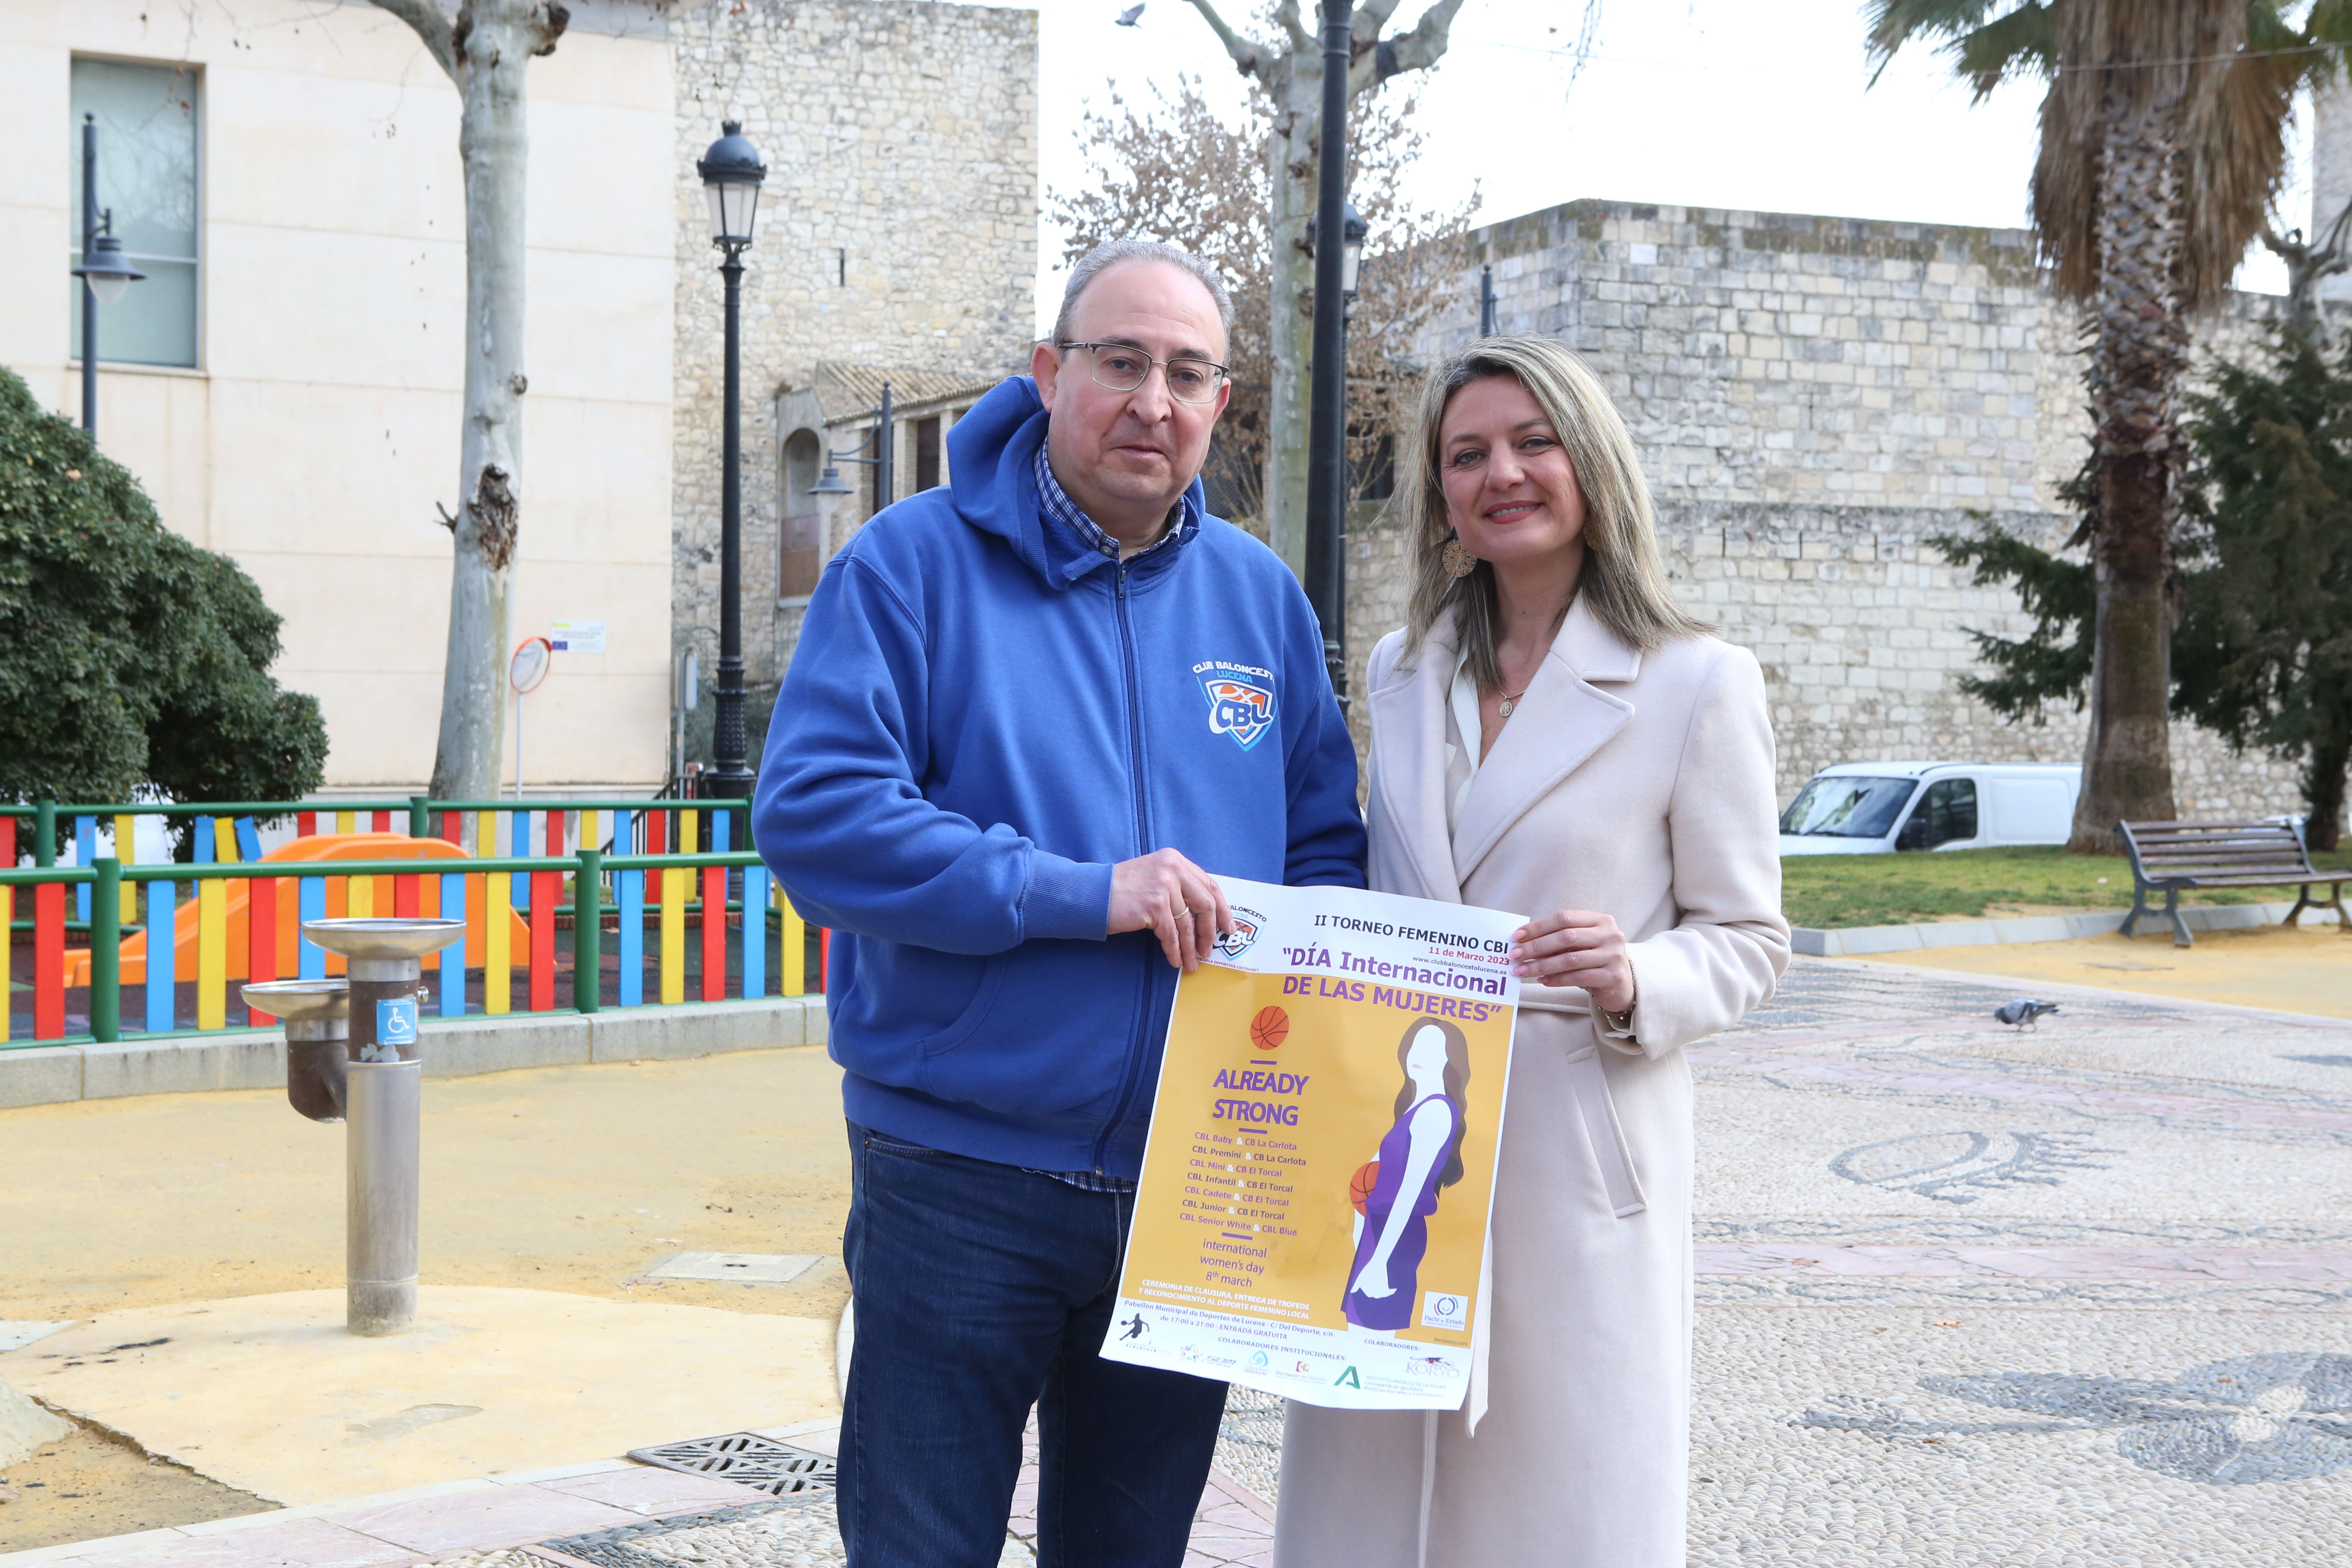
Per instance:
(2172,855)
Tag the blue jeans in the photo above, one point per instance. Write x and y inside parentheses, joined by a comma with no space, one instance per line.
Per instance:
(981,1290)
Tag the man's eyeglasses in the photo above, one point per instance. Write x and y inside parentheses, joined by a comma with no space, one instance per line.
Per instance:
(1123,367)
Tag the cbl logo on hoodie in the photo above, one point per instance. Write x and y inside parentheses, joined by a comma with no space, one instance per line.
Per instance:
(1240,701)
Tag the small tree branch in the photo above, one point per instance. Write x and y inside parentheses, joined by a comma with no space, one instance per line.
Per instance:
(1417,51)
(448,521)
(432,25)
(1248,58)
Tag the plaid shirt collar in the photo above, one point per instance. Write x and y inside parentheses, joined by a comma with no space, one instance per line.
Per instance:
(1056,504)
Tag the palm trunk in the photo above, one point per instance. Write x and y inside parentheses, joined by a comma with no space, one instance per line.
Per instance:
(493,144)
(2134,379)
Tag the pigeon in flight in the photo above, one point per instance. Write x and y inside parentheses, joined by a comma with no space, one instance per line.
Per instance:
(1130,16)
(2024,1012)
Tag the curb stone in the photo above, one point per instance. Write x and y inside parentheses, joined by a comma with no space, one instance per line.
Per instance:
(1858,941)
(459,1048)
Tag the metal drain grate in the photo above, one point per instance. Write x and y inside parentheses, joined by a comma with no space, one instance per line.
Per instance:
(748,1459)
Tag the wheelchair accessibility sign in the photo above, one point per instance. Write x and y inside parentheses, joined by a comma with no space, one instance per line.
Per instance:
(396,1021)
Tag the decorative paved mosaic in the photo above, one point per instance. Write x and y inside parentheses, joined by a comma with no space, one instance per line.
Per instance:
(2078,1295)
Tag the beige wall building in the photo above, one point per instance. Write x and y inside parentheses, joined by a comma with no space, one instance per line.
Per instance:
(295,396)
(287,382)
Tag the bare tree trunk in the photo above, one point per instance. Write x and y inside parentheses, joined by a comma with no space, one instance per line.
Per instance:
(1292,76)
(1290,318)
(486,51)
(2142,350)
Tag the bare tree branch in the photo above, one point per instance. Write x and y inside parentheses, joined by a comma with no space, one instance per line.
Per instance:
(1416,50)
(430,23)
(1248,58)
(1371,18)
(1292,26)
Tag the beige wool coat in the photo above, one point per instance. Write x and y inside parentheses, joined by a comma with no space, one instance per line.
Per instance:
(1640,785)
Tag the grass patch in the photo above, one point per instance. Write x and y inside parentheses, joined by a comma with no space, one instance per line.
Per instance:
(1832,891)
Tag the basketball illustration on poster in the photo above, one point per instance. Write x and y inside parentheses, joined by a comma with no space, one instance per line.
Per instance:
(1311,1218)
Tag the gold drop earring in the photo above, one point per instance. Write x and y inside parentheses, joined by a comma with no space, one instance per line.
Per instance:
(1459,562)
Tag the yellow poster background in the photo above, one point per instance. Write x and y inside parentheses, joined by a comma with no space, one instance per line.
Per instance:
(1219,1187)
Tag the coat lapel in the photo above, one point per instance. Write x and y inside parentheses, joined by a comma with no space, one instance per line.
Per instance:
(1409,769)
(1564,718)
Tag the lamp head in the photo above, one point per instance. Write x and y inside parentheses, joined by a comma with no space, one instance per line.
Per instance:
(732,172)
(107,270)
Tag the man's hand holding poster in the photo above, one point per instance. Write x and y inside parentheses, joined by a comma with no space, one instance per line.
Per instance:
(1312,1213)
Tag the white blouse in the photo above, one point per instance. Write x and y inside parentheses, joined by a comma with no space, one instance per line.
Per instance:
(1464,740)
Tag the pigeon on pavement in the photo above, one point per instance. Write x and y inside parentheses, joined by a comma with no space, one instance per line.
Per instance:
(2024,1012)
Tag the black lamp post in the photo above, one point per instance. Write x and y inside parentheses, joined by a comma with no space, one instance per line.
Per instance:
(105,272)
(1326,490)
(731,172)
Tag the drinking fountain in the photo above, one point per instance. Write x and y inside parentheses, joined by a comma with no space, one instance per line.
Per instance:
(377,1094)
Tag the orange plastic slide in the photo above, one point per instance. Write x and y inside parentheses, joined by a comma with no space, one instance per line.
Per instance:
(376,893)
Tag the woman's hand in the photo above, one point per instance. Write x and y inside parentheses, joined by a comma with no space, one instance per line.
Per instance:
(1374,1283)
(1576,947)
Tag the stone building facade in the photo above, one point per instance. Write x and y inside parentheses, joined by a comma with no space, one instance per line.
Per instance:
(1815,399)
(896,240)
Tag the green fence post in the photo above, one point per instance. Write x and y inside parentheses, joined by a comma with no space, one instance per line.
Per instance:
(419,822)
(106,951)
(588,931)
(44,832)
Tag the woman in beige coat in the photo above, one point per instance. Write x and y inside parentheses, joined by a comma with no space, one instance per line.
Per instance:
(1551,734)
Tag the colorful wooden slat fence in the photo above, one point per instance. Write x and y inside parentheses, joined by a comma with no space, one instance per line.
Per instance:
(246,917)
(7,927)
(49,960)
(673,934)
(163,987)
(629,899)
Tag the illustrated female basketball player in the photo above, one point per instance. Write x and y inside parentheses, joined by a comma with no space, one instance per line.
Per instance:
(1421,1155)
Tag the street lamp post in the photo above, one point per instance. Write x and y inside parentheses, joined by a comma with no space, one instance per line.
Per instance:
(884,469)
(732,172)
(104,271)
(1328,427)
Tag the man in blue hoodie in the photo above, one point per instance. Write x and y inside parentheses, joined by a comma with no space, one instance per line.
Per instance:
(1029,713)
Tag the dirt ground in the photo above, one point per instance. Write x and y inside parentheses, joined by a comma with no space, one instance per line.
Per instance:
(2305,969)
(87,1486)
(567,1179)
(571,1179)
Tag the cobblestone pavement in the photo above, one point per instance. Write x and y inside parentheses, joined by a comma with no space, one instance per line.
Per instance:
(2078,1295)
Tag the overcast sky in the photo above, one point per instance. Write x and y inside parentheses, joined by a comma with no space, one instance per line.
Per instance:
(1764,105)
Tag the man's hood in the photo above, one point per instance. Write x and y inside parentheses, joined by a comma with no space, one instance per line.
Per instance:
(991,470)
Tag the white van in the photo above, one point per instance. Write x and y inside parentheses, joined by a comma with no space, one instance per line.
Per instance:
(1869,809)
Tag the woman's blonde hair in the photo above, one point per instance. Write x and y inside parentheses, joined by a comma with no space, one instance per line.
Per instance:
(1623,579)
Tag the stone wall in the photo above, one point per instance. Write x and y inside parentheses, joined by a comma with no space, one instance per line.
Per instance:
(898,227)
(1814,399)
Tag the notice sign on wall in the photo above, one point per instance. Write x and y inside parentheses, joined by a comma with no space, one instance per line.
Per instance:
(1312,1213)
(576,637)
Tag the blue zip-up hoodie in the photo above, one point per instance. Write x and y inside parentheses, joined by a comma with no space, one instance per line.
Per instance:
(982,717)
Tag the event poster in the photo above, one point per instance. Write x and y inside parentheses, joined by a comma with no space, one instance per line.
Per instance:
(1312,1212)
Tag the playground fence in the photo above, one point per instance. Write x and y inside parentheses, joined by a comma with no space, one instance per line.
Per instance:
(627,898)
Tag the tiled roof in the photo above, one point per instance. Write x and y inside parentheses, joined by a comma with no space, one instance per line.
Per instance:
(847,391)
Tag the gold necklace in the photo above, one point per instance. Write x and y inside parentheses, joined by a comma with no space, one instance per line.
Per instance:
(1511,700)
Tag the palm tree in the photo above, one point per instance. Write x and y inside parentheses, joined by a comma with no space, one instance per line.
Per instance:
(2163,140)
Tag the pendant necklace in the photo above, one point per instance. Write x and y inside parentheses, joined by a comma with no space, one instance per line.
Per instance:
(1511,700)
